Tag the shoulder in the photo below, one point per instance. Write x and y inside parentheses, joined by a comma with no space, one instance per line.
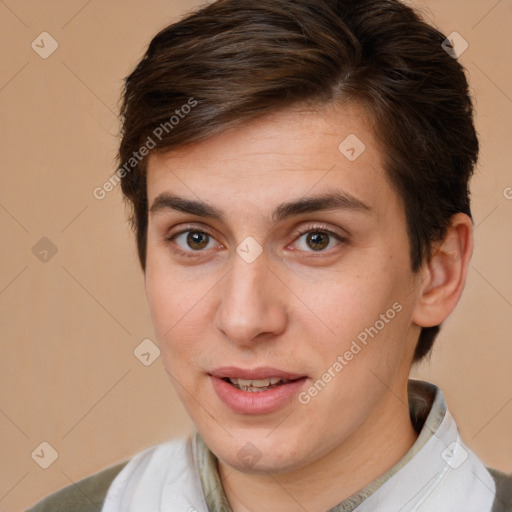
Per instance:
(86,495)
(503,500)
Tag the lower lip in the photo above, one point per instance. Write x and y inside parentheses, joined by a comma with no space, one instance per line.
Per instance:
(256,402)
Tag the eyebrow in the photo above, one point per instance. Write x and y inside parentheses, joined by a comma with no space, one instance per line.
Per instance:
(329,201)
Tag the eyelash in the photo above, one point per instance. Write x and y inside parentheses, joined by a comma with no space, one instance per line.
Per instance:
(317,228)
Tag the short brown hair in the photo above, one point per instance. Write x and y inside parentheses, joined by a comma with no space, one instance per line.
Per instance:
(236,60)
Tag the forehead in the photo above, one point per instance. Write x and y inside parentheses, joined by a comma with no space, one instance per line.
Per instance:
(286,155)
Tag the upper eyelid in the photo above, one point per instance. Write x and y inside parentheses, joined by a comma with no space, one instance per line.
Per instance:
(298,231)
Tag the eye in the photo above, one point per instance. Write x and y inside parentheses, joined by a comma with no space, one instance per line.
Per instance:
(192,241)
(318,239)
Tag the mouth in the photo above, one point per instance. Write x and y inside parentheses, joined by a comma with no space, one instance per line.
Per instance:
(256,391)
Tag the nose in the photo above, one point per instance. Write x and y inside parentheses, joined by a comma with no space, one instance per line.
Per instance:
(252,305)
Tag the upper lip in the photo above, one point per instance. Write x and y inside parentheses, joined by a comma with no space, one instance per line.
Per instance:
(262,372)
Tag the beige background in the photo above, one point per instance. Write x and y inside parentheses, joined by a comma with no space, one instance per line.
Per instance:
(68,375)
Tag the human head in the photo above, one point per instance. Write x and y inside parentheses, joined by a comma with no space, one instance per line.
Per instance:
(236,60)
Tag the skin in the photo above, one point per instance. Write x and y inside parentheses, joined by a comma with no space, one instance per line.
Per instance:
(294,308)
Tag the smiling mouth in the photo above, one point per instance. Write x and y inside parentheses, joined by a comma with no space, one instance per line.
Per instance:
(256,385)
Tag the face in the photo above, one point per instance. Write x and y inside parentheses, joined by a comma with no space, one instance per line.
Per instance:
(274,253)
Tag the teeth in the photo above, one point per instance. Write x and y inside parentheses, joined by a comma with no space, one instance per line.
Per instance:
(244,382)
(257,384)
(261,383)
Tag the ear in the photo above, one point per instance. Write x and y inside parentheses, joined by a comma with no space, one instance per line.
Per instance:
(444,276)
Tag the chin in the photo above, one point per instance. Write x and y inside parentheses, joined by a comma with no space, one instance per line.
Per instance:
(258,453)
(268,463)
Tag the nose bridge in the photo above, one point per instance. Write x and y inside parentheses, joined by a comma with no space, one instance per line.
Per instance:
(249,302)
(247,291)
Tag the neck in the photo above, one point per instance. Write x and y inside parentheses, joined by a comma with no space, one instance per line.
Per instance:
(377,445)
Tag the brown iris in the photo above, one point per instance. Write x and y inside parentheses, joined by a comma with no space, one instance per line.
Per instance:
(317,240)
(197,240)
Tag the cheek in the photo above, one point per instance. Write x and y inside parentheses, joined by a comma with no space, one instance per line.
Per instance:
(167,296)
(179,309)
(160,298)
(166,301)
(355,301)
(367,314)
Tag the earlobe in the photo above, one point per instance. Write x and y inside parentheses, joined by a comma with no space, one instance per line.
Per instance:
(444,276)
